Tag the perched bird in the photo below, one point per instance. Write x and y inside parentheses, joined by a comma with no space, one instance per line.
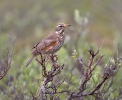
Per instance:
(50,44)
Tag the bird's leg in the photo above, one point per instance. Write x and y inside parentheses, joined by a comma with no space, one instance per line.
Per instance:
(53,61)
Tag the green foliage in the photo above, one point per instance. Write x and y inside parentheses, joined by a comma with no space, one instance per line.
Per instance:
(25,18)
(77,17)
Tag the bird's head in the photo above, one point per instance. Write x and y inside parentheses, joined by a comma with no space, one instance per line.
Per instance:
(61,27)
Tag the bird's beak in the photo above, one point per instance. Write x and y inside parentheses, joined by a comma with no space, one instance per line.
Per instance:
(66,25)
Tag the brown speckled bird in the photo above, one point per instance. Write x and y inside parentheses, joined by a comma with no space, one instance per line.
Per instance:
(50,44)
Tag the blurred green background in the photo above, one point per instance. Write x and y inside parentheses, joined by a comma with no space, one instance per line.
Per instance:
(30,20)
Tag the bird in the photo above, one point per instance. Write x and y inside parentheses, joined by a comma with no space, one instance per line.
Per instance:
(50,44)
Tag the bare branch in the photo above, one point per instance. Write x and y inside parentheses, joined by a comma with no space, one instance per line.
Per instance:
(34,98)
(49,75)
(110,71)
(49,89)
(81,60)
(8,59)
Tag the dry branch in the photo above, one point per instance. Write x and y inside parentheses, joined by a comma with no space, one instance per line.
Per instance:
(110,71)
(49,75)
(49,90)
(8,59)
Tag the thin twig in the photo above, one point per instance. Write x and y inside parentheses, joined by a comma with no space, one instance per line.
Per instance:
(8,59)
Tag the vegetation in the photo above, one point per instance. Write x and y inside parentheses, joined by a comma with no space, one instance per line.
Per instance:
(88,66)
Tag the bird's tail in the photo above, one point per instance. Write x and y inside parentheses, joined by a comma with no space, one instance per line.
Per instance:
(30,60)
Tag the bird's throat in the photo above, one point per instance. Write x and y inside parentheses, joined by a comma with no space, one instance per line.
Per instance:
(61,32)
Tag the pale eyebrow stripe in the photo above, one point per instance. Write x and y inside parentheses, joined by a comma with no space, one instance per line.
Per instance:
(58,25)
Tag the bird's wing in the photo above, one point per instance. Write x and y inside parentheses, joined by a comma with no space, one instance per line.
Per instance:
(47,43)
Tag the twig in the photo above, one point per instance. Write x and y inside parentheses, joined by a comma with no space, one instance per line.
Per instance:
(49,75)
(108,72)
(34,98)
(8,59)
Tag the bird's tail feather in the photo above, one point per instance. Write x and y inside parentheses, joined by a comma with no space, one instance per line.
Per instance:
(30,60)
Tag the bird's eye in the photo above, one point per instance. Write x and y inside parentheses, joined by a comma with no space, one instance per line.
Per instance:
(61,26)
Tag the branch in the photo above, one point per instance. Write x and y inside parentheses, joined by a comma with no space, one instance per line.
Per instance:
(8,59)
(49,75)
(110,71)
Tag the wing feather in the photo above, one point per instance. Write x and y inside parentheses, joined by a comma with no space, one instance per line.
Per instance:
(46,43)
